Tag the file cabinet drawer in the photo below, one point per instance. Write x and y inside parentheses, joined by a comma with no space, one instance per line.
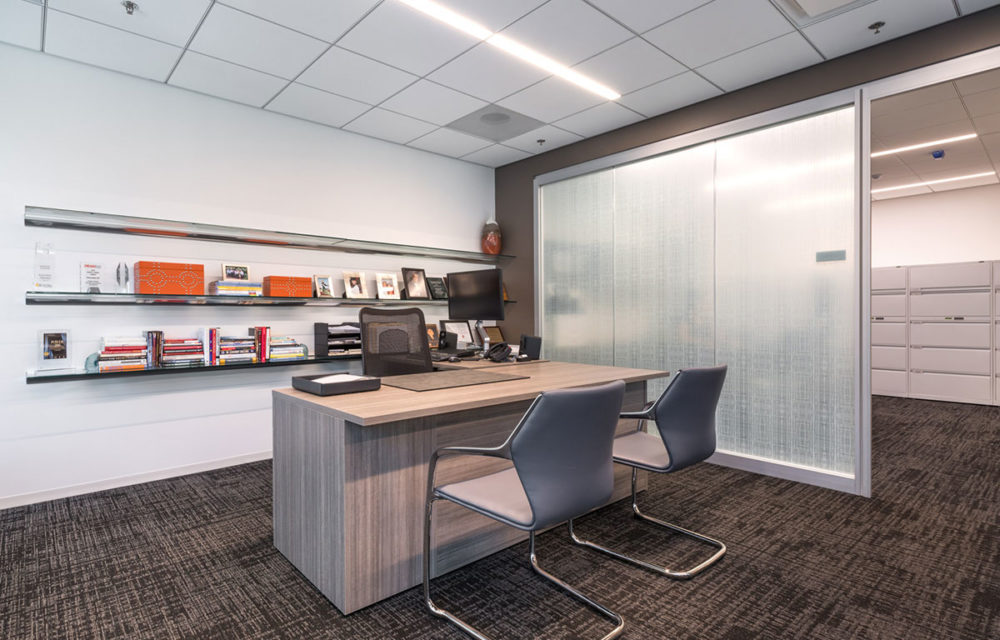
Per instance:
(889,333)
(888,278)
(950,334)
(948,386)
(967,274)
(889,305)
(940,305)
(889,358)
(888,383)
(976,361)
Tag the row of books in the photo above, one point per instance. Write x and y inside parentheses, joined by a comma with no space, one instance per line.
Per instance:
(235,288)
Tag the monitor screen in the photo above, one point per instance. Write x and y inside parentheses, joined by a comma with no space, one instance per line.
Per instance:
(476,295)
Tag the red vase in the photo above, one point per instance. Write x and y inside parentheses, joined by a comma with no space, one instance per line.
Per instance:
(491,240)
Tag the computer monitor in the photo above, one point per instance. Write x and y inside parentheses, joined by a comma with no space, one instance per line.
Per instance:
(476,295)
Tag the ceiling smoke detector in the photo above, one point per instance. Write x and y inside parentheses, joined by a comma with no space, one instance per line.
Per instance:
(877,26)
(130,6)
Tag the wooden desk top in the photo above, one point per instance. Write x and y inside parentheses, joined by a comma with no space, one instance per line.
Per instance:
(390,404)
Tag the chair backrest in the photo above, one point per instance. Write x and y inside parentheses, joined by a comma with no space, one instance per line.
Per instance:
(685,415)
(394,342)
(562,451)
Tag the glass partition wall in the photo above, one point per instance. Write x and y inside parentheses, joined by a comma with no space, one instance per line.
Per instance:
(741,250)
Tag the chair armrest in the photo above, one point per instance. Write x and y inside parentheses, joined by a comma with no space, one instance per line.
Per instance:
(645,414)
(503,451)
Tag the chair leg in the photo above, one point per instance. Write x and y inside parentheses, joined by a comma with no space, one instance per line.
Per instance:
(670,573)
(472,631)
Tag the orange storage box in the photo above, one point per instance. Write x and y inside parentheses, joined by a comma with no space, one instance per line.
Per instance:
(288,287)
(169,278)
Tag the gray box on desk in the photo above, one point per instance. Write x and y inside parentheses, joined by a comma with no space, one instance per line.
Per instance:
(309,385)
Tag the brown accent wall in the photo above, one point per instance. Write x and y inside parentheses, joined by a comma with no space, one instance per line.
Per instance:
(514,182)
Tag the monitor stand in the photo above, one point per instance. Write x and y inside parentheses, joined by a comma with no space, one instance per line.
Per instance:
(483,336)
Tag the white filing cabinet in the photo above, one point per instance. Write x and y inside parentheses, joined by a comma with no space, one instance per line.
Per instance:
(888,330)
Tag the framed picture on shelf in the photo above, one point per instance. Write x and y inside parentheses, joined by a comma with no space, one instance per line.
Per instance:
(433,337)
(235,271)
(494,334)
(355,285)
(459,327)
(323,286)
(415,284)
(437,288)
(388,287)
(53,352)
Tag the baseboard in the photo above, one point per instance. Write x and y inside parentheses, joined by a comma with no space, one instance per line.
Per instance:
(777,469)
(124,481)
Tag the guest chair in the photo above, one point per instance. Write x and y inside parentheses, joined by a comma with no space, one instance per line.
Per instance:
(394,342)
(561,451)
(685,419)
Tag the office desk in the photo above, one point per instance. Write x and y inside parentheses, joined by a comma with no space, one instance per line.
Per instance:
(350,475)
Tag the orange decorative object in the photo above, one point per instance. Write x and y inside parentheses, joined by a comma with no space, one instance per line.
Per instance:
(288,287)
(491,241)
(169,278)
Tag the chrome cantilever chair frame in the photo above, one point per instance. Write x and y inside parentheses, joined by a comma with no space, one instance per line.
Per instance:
(503,451)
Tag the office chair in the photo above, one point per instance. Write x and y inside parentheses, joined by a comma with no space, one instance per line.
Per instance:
(685,418)
(394,342)
(561,450)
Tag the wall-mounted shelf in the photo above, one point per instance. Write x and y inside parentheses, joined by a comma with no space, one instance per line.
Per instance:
(110,223)
(66,375)
(70,297)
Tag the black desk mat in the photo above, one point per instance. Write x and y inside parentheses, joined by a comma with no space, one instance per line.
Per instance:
(447,379)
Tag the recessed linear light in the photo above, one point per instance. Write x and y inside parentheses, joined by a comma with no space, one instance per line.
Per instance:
(510,46)
(931,182)
(924,145)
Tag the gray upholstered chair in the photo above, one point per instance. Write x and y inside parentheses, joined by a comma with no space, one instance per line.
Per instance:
(685,419)
(561,450)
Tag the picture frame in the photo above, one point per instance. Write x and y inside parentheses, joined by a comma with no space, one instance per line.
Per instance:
(54,349)
(355,285)
(415,284)
(495,335)
(437,288)
(460,327)
(232,271)
(433,336)
(387,287)
(322,286)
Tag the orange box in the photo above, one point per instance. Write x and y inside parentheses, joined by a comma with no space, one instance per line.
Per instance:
(169,278)
(288,286)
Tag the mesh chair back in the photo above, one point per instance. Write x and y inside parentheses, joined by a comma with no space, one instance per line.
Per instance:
(394,342)
(562,451)
(685,415)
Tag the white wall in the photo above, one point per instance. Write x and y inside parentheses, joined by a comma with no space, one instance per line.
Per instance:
(77,137)
(952,226)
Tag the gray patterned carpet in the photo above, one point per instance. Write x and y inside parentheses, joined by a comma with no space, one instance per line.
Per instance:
(191,557)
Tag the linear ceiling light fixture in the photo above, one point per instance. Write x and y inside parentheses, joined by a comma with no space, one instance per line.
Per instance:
(924,145)
(932,182)
(510,46)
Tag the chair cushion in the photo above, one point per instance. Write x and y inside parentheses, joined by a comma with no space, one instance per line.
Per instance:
(498,495)
(641,449)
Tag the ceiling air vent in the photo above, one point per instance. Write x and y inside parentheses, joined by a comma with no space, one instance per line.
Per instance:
(495,123)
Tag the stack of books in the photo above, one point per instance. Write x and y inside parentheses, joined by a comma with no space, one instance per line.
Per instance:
(185,352)
(284,348)
(237,350)
(122,354)
(235,288)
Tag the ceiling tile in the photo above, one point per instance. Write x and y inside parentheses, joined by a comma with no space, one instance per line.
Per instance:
(318,106)
(21,24)
(643,15)
(551,99)
(567,31)
(631,65)
(553,137)
(492,14)
(979,82)
(450,143)
(674,93)
(386,125)
(992,143)
(719,29)
(987,124)
(432,102)
(238,37)
(599,119)
(172,21)
(225,80)
(983,103)
(773,58)
(964,184)
(96,44)
(945,175)
(348,74)
(900,193)
(324,20)
(913,99)
(968,153)
(938,113)
(971,6)
(405,38)
(848,31)
(891,170)
(488,73)
(496,156)
(913,135)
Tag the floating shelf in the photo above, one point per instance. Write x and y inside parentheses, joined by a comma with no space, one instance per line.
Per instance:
(66,375)
(111,223)
(71,297)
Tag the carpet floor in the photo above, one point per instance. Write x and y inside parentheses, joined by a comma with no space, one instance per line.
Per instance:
(191,557)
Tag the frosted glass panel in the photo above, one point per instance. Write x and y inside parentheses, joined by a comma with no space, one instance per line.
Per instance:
(784,318)
(577,261)
(664,261)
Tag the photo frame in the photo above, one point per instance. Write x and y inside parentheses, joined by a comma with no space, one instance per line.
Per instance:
(387,287)
(460,327)
(232,271)
(495,335)
(433,337)
(355,285)
(323,286)
(437,288)
(415,284)
(54,349)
